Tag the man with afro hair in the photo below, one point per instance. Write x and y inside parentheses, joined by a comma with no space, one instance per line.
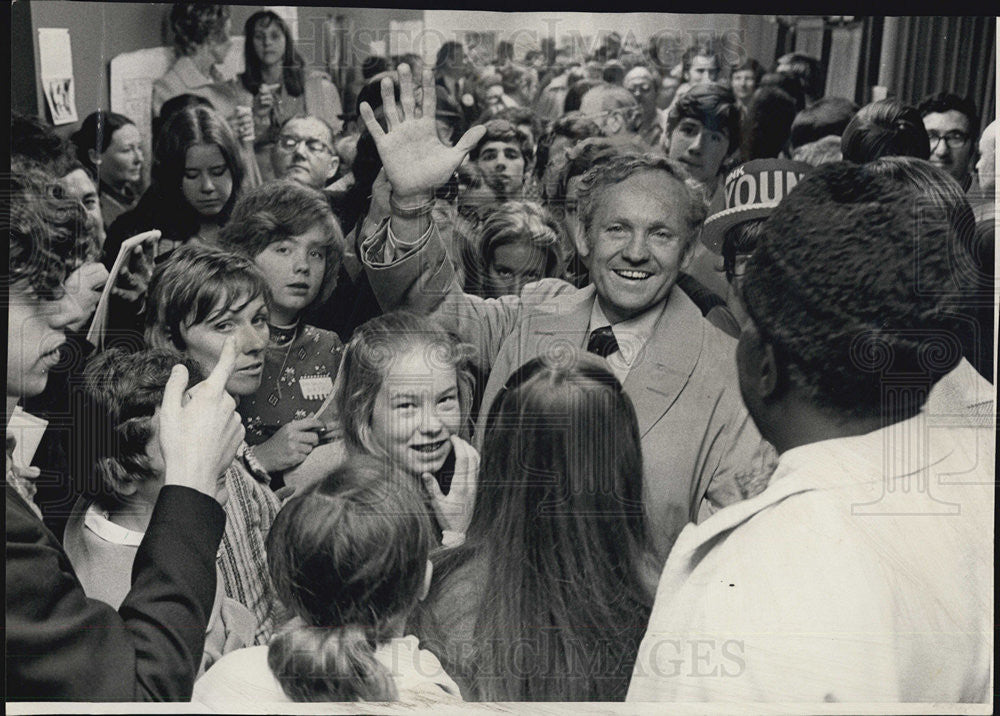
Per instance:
(863,572)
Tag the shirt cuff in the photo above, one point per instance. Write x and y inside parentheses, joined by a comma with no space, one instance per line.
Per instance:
(396,249)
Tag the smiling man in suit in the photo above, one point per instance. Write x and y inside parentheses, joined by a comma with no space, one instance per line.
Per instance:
(640,216)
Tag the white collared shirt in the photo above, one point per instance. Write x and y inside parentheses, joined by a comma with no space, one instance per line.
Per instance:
(632,336)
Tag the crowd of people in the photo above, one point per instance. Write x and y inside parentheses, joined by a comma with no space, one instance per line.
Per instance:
(536,379)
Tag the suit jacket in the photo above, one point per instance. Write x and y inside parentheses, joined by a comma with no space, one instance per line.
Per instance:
(698,441)
(63,646)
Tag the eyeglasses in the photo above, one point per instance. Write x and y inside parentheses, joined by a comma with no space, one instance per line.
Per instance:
(954,139)
(639,87)
(289,142)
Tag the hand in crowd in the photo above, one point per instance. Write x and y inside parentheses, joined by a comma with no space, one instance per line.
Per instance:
(242,125)
(454,510)
(264,99)
(289,446)
(83,291)
(136,272)
(415,160)
(199,437)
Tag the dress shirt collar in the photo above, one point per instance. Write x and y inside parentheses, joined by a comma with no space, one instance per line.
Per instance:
(632,334)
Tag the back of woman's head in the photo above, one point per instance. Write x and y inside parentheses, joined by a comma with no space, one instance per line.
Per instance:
(373,350)
(184,129)
(195,23)
(573,424)
(558,517)
(95,133)
(885,129)
(349,557)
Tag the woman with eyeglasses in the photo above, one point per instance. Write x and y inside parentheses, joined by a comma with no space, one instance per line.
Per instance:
(276,84)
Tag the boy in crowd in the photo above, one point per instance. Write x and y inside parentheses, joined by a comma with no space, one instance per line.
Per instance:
(736,218)
(291,235)
(703,128)
(951,123)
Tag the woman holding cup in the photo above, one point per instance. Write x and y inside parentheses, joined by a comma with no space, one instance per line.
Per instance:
(276,85)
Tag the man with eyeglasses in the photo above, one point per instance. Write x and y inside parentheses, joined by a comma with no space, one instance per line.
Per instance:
(951,123)
(304,152)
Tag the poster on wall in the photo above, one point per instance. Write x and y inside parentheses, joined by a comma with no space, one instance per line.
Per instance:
(56,60)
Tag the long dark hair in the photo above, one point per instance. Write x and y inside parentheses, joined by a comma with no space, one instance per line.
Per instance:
(292,64)
(349,557)
(186,128)
(558,519)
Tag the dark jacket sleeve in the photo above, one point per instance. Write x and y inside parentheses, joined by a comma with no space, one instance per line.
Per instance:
(63,646)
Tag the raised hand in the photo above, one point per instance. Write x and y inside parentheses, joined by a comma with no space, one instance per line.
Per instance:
(454,510)
(133,279)
(415,160)
(199,438)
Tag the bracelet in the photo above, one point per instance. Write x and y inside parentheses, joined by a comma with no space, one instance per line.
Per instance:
(411,212)
(250,458)
(450,538)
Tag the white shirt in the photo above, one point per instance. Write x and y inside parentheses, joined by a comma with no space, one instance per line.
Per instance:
(864,572)
(632,336)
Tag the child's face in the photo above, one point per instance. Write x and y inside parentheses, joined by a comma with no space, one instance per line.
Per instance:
(294,269)
(247,320)
(417,410)
(513,266)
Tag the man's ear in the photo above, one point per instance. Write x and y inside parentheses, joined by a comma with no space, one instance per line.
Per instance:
(689,251)
(334,166)
(95,156)
(580,241)
(767,369)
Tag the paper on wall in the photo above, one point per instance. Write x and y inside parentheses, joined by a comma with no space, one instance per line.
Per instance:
(56,70)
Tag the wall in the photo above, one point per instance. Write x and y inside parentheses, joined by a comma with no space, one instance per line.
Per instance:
(101,30)
(98,32)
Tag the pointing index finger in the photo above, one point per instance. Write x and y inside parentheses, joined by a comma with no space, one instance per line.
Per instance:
(225,367)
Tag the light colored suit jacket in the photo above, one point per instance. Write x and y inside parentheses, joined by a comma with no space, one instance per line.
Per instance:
(698,441)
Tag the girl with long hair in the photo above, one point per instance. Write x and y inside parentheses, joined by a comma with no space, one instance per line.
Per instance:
(197,175)
(543,600)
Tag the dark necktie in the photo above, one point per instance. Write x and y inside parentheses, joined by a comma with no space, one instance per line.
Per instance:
(602,342)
